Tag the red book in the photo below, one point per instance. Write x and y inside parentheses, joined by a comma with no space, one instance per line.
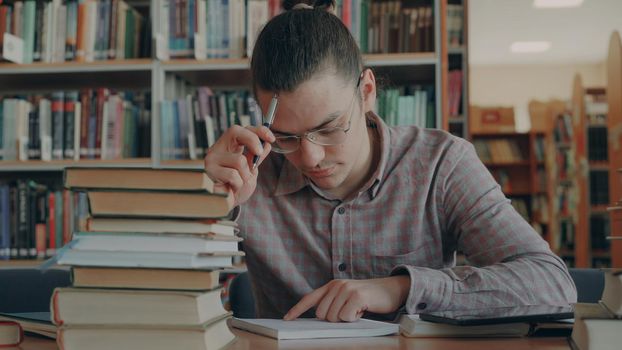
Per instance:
(66,217)
(346,13)
(52,224)
(11,334)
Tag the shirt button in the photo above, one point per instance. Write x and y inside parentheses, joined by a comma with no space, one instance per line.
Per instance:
(341,210)
(342,267)
(422,306)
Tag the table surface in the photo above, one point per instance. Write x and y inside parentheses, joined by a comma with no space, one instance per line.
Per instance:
(249,341)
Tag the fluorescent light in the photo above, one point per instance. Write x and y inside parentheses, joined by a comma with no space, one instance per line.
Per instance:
(555,4)
(530,46)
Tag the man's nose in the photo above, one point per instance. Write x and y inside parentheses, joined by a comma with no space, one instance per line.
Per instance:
(310,154)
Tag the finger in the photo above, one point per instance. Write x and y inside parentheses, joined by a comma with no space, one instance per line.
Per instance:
(325,306)
(352,311)
(246,137)
(266,151)
(307,302)
(263,132)
(342,297)
(235,161)
(227,176)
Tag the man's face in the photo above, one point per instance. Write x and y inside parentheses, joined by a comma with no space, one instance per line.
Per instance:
(324,101)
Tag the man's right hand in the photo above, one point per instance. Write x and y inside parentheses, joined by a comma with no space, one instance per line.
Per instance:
(229,162)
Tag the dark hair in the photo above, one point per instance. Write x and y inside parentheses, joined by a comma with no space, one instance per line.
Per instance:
(297,44)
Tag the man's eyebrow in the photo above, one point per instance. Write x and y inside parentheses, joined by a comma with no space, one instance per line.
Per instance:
(329,119)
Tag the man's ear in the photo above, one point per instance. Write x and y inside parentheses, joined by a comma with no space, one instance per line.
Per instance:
(368,89)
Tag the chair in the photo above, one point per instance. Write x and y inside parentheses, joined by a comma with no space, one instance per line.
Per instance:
(241,297)
(29,289)
(590,284)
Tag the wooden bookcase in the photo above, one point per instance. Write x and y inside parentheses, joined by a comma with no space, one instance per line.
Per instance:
(153,76)
(523,179)
(456,71)
(614,126)
(603,171)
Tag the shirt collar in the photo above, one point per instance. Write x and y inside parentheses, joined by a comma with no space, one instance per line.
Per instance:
(291,180)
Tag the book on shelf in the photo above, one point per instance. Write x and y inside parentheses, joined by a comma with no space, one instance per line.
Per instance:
(305,328)
(455,25)
(499,150)
(11,333)
(192,123)
(454,92)
(133,178)
(208,336)
(595,328)
(72,30)
(78,306)
(408,105)
(36,219)
(232,26)
(162,204)
(219,227)
(75,125)
(144,278)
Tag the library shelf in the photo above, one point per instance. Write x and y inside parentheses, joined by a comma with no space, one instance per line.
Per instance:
(20,263)
(507,164)
(138,64)
(60,165)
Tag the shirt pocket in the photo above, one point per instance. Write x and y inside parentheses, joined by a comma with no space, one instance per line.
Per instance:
(382,265)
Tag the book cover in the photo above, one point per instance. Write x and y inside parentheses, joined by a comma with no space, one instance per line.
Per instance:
(302,328)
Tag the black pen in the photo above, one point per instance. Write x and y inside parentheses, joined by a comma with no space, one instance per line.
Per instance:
(268,122)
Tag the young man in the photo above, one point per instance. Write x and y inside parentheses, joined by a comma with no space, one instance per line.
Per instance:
(348,215)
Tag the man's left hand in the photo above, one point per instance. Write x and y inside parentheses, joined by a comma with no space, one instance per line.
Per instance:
(347,300)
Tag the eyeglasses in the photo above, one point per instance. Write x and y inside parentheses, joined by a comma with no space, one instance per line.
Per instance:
(324,137)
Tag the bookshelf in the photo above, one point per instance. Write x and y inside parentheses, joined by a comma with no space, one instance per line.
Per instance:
(160,79)
(614,126)
(455,68)
(518,162)
(597,119)
(564,187)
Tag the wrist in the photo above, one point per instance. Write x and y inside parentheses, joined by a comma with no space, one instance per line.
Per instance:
(403,287)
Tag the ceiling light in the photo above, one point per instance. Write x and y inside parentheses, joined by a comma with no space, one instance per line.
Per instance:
(556,3)
(530,46)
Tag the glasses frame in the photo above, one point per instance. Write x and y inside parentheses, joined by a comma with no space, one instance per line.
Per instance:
(309,134)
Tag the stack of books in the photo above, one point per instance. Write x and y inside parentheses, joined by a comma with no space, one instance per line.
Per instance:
(146,269)
(599,326)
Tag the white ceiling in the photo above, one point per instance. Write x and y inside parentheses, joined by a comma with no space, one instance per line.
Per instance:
(577,35)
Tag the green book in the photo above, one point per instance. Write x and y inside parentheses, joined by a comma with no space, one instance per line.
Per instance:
(28,30)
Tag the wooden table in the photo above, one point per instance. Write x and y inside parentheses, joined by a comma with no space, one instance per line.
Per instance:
(249,341)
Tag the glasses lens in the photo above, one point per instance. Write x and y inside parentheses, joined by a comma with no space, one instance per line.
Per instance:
(328,136)
(285,144)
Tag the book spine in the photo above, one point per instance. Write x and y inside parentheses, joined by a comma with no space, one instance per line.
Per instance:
(23,215)
(13,213)
(57,125)
(5,235)
(68,130)
(51,223)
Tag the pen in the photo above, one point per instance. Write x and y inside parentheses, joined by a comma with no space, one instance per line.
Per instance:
(268,122)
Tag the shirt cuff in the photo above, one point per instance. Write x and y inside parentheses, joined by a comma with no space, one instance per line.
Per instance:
(234,215)
(430,289)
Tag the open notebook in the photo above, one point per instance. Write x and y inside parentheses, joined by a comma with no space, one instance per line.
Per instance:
(313,328)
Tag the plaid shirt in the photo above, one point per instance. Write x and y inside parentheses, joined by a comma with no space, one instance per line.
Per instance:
(429,197)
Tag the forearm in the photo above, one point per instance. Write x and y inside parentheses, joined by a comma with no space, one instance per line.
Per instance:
(530,279)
